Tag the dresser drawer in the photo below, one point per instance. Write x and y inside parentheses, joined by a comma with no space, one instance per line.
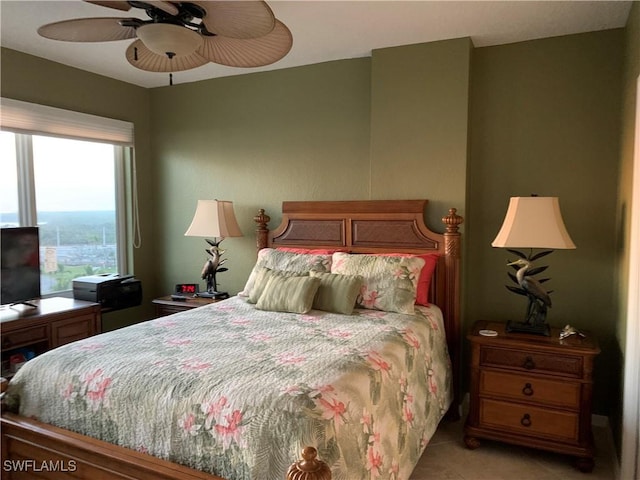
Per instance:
(565,365)
(25,337)
(528,420)
(520,387)
(72,329)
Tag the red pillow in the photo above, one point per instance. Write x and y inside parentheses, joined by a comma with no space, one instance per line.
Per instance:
(424,282)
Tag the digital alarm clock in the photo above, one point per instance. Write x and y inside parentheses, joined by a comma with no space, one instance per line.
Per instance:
(187,289)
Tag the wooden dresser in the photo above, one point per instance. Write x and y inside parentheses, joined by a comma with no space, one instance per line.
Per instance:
(532,390)
(54,322)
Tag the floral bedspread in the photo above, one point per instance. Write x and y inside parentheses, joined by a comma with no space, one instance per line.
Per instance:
(239,392)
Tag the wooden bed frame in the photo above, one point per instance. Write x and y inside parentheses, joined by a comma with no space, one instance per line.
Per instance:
(356,226)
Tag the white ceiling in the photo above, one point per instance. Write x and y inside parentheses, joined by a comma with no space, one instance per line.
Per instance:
(322,30)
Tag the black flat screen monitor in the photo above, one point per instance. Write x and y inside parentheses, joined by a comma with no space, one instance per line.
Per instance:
(20,265)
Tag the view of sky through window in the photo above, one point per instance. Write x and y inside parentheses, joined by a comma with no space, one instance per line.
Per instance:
(74,190)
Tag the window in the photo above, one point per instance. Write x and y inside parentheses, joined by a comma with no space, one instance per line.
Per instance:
(69,187)
(73,190)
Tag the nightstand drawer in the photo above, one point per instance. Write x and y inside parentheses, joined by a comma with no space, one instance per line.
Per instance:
(167,306)
(566,365)
(528,420)
(165,310)
(530,389)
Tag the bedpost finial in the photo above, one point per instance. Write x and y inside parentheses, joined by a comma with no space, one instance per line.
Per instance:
(309,468)
(262,219)
(262,232)
(452,221)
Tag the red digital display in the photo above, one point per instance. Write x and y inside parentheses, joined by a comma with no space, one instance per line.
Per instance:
(187,288)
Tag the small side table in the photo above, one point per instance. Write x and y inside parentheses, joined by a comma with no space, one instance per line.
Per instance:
(532,390)
(166,306)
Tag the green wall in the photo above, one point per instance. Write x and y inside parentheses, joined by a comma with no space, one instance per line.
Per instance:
(466,127)
(319,132)
(296,134)
(419,103)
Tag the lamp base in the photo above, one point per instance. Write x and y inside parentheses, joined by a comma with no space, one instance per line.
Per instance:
(533,329)
(215,295)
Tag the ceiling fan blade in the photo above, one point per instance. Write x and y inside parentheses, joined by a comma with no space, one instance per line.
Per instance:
(141,57)
(252,52)
(167,7)
(87,30)
(117,4)
(237,19)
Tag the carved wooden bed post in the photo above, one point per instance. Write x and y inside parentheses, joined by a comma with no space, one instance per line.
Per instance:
(452,242)
(262,232)
(309,468)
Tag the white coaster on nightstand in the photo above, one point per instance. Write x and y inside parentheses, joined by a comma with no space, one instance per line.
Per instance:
(488,333)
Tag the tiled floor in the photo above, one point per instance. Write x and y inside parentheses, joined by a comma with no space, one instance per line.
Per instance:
(447,458)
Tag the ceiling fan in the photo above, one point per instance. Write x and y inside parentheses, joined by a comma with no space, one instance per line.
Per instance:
(184,35)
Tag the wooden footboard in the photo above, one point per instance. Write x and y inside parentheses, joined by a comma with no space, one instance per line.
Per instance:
(32,449)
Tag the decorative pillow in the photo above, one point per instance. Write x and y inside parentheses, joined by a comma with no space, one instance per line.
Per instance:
(286,262)
(424,282)
(288,294)
(337,293)
(389,282)
(426,274)
(263,275)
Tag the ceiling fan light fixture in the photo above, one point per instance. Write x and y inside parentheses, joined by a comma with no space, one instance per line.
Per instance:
(168,39)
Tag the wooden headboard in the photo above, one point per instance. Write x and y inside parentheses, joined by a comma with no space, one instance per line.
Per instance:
(377,226)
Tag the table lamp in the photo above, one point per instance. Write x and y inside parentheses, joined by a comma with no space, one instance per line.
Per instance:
(532,222)
(214,218)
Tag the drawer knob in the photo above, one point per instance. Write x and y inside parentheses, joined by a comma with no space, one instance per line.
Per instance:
(529,364)
(6,343)
(525,421)
(527,390)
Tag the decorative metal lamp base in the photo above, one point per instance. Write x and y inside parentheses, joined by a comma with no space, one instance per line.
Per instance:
(531,328)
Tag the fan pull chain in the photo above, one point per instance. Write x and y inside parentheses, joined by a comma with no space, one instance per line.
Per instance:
(171,79)
(135,54)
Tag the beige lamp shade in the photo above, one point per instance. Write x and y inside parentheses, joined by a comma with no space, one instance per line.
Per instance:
(214,218)
(533,222)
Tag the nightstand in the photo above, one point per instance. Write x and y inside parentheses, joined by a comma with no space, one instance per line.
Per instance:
(167,306)
(532,390)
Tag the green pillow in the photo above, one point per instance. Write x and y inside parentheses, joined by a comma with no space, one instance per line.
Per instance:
(262,276)
(337,293)
(288,294)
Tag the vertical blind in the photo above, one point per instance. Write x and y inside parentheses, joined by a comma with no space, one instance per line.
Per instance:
(31,118)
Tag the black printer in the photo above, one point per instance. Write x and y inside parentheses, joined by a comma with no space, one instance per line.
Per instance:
(110,290)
